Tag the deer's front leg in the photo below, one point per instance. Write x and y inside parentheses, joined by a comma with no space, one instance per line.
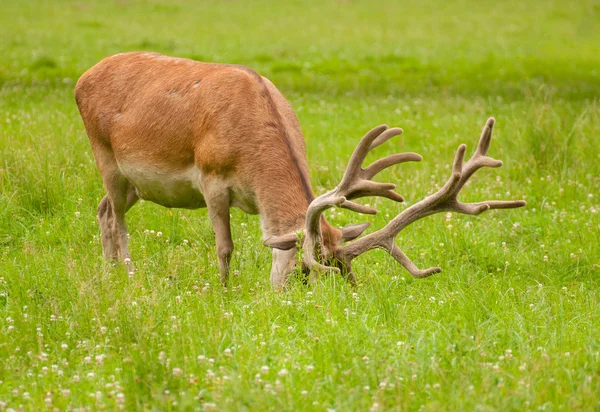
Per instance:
(217,201)
(282,267)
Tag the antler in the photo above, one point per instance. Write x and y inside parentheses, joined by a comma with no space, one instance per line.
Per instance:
(444,200)
(355,183)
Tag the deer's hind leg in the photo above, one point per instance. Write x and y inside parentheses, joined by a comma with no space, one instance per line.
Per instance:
(120,197)
(113,227)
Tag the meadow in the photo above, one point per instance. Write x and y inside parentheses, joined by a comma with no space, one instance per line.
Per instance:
(512,322)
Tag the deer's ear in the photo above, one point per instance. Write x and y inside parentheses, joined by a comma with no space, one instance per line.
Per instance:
(353,231)
(283,242)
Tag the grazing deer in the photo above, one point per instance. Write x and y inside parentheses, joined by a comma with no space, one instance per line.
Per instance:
(187,134)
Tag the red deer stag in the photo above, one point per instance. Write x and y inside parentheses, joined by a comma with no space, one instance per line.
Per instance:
(187,134)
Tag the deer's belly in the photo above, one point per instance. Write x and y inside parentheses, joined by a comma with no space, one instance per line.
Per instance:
(181,189)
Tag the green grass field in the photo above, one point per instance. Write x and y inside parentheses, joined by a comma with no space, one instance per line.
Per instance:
(512,322)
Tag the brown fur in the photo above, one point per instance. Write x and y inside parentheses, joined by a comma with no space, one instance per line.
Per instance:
(165,115)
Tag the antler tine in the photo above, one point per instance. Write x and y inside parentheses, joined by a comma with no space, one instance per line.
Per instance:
(359,154)
(459,159)
(410,266)
(480,158)
(388,161)
(485,140)
(358,208)
(480,207)
(385,136)
(449,189)
(443,200)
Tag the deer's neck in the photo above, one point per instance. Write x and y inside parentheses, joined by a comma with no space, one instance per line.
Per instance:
(284,190)
(283,206)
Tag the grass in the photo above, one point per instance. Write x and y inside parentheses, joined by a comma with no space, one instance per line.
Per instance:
(513,321)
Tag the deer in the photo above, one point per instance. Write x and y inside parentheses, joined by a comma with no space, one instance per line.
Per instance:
(189,134)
